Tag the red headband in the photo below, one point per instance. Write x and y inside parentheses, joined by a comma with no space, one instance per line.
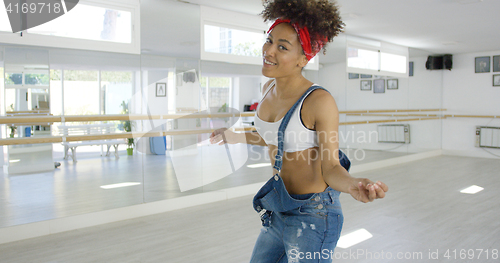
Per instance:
(304,38)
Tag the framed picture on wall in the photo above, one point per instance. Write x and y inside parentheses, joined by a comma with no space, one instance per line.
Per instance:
(496,63)
(496,80)
(353,76)
(161,89)
(410,69)
(363,76)
(482,64)
(379,86)
(392,84)
(366,85)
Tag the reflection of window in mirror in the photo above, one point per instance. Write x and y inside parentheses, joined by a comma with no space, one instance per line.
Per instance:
(116,89)
(55,92)
(81,89)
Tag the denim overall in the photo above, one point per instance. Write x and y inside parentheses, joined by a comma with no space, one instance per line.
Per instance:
(286,218)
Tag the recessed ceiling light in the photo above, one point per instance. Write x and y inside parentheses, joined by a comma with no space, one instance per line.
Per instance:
(145,50)
(472,189)
(111,186)
(189,43)
(354,238)
(14,161)
(450,43)
(349,16)
(258,165)
(466,2)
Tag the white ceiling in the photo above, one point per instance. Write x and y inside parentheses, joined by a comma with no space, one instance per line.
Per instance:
(172,28)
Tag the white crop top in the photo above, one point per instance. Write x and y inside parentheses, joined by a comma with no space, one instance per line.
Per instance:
(297,136)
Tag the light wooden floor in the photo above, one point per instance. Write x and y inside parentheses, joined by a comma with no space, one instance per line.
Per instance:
(424,211)
(74,188)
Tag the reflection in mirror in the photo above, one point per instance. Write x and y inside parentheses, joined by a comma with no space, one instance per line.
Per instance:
(75,176)
(362,133)
(27,95)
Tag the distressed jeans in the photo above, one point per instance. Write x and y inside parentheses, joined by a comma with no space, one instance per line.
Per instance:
(305,234)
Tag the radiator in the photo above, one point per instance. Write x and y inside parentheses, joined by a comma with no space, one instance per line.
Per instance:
(394,133)
(487,137)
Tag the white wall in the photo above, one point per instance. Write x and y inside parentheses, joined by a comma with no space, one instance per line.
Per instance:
(425,87)
(249,91)
(468,93)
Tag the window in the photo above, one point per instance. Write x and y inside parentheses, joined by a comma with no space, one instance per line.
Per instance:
(81,91)
(13,79)
(233,41)
(103,24)
(56,92)
(234,37)
(116,89)
(392,62)
(377,58)
(4,20)
(218,91)
(362,58)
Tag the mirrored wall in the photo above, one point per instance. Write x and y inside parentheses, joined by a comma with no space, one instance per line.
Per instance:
(88,131)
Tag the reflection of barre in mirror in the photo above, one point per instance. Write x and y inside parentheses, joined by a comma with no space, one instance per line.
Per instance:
(200,163)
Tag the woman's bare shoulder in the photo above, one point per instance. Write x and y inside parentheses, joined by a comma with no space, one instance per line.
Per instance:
(266,86)
(320,102)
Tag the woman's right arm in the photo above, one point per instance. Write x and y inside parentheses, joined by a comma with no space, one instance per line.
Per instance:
(223,135)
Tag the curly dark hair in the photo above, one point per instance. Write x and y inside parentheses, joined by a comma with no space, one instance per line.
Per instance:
(321,17)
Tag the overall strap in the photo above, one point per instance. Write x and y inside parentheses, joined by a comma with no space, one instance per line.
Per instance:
(278,160)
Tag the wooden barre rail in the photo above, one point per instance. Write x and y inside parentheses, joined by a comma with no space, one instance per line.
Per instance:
(125,135)
(92,137)
(136,117)
(472,116)
(393,115)
(86,118)
(385,111)
(360,122)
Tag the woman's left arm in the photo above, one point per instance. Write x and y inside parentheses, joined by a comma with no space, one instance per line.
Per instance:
(326,119)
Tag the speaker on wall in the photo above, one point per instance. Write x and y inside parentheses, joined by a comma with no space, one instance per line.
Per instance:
(439,62)
(448,61)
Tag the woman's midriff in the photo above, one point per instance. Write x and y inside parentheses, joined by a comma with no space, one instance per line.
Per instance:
(301,171)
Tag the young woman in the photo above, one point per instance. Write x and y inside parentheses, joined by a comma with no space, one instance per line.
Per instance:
(299,121)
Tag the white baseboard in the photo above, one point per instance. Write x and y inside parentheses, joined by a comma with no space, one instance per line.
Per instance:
(58,225)
(477,153)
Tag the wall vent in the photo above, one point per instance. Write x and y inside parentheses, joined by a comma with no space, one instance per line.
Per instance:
(394,133)
(488,137)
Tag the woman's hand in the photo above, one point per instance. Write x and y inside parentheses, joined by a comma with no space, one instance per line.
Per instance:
(222,136)
(366,191)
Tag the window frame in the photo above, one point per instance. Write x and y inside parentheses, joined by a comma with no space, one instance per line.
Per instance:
(379,47)
(238,21)
(222,57)
(132,6)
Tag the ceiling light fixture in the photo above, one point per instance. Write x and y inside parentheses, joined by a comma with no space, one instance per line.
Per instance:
(258,165)
(354,238)
(472,190)
(467,2)
(112,186)
(450,43)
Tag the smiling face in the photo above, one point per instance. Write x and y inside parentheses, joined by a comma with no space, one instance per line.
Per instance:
(282,52)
